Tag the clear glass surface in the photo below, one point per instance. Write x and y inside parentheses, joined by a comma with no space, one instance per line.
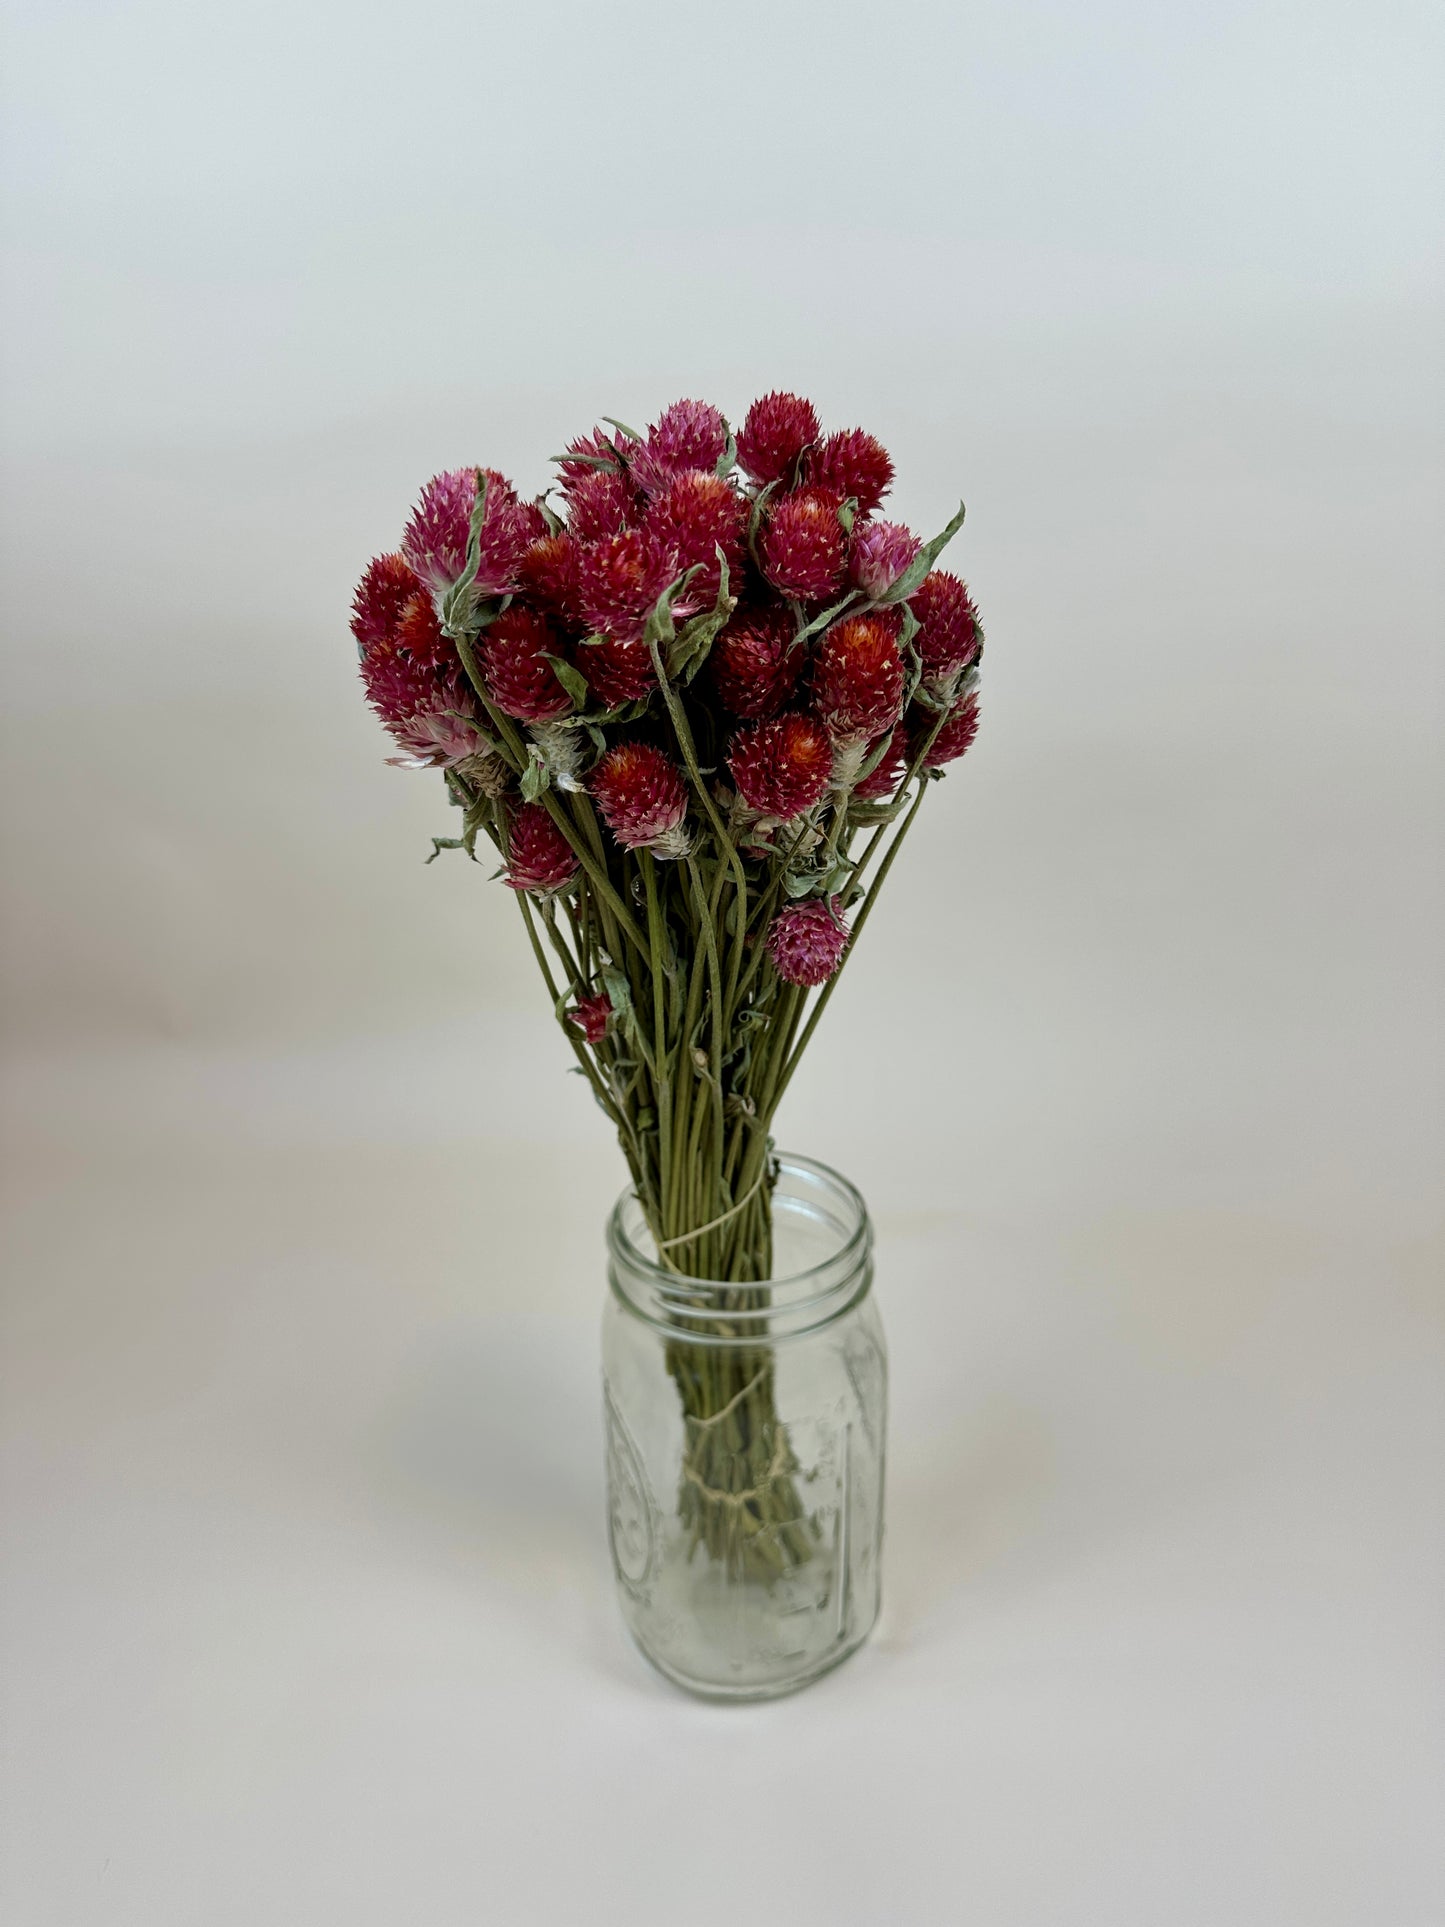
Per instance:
(745,1447)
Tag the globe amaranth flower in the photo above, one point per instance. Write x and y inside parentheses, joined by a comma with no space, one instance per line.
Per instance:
(689,435)
(853,463)
(756,661)
(600,504)
(383,592)
(547,575)
(643,799)
(591,1015)
(435,541)
(420,634)
(880,555)
(858,677)
(521,680)
(953,739)
(617,671)
(804,543)
(430,714)
(776,430)
(948,638)
(782,765)
(887,773)
(539,857)
(588,455)
(806,941)
(696,515)
(619,580)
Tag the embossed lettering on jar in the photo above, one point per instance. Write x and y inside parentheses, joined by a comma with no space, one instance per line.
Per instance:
(745,1446)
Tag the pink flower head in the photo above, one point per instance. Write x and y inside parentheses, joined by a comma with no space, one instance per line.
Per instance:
(539,857)
(435,542)
(522,682)
(696,515)
(619,580)
(381,595)
(756,662)
(880,555)
(858,676)
(777,429)
(592,1015)
(948,637)
(643,799)
(881,781)
(853,463)
(806,941)
(431,716)
(782,765)
(953,739)
(420,634)
(690,434)
(599,504)
(617,671)
(588,455)
(804,544)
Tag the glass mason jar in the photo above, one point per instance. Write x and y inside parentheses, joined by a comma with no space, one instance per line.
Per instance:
(745,1443)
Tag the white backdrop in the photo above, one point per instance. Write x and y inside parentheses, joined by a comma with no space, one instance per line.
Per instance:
(307,1614)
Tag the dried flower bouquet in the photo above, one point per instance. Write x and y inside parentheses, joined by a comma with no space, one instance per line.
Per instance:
(696,706)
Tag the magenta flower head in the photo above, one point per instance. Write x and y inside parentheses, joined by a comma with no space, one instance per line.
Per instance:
(880,555)
(948,637)
(381,595)
(887,773)
(617,672)
(696,515)
(432,716)
(783,765)
(586,456)
(520,677)
(435,542)
(601,503)
(539,857)
(643,799)
(591,1015)
(689,435)
(954,738)
(804,544)
(777,429)
(806,941)
(755,663)
(858,676)
(547,574)
(620,579)
(853,463)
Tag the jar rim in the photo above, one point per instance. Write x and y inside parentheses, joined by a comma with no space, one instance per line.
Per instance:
(844,1261)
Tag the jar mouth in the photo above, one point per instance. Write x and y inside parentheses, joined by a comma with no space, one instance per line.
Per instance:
(818,1216)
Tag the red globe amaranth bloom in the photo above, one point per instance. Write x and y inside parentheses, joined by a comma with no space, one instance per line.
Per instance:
(643,798)
(591,1016)
(756,662)
(853,463)
(619,580)
(522,682)
(617,672)
(420,634)
(539,857)
(689,435)
(381,595)
(948,637)
(695,516)
(953,739)
(782,765)
(777,429)
(806,941)
(858,677)
(804,544)
(432,716)
(600,504)
(547,574)
(435,542)
(880,555)
(587,456)
(880,782)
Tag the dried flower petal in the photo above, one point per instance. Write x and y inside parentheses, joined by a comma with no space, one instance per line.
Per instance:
(853,463)
(600,504)
(592,1015)
(643,799)
(858,676)
(522,682)
(806,941)
(695,516)
(756,662)
(804,544)
(381,595)
(880,555)
(539,857)
(620,579)
(777,429)
(783,765)
(435,542)
(948,637)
